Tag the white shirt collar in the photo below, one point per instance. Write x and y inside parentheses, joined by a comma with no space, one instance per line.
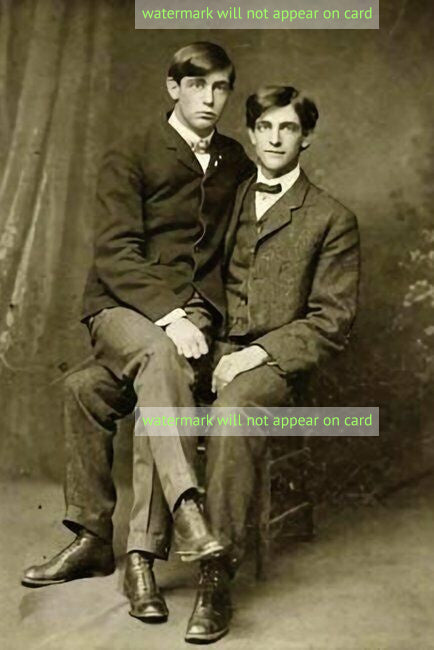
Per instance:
(286,181)
(187,134)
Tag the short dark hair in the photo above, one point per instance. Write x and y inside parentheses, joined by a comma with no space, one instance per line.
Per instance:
(268,96)
(199,59)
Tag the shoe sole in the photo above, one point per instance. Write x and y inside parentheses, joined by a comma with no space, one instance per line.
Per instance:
(39,583)
(152,619)
(202,639)
(214,550)
(147,618)
(34,583)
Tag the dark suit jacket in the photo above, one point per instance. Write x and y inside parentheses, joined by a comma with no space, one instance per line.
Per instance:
(160,223)
(303,285)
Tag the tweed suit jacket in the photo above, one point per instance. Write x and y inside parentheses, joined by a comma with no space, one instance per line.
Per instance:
(161,223)
(304,276)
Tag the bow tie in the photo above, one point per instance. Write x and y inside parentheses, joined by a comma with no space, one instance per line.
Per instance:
(201,146)
(269,189)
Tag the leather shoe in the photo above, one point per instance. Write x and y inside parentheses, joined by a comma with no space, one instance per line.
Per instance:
(192,537)
(87,556)
(212,609)
(146,601)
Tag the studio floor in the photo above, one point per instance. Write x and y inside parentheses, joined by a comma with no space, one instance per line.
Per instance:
(366,583)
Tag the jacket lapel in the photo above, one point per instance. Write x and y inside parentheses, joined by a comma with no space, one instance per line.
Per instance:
(183,152)
(280,214)
(218,150)
(218,153)
(239,200)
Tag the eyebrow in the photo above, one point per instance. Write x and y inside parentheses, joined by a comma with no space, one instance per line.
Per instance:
(281,124)
(215,83)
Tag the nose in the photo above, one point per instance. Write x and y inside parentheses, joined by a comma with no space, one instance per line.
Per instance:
(275,139)
(208,96)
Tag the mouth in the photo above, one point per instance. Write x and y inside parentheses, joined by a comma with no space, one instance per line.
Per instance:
(276,153)
(208,115)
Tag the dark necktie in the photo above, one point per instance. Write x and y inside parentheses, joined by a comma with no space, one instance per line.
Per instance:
(269,189)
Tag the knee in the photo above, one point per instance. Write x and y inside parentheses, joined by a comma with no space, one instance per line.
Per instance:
(162,347)
(261,386)
(238,393)
(163,356)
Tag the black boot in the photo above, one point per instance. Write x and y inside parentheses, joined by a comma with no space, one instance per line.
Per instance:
(86,557)
(146,601)
(212,609)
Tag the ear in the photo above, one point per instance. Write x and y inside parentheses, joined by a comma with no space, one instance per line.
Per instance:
(306,141)
(252,136)
(172,88)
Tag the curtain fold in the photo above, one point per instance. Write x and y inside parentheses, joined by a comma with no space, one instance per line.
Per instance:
(51,142)
(63,94)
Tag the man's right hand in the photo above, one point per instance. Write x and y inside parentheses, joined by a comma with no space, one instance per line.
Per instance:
(189,340)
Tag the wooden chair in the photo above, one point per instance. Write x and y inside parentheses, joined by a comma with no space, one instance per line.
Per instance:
(294,509)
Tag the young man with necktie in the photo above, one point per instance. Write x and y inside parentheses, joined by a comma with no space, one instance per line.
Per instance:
(291,285)
(163,205)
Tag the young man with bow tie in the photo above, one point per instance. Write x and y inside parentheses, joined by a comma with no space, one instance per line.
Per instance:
(164,202)
(291,286)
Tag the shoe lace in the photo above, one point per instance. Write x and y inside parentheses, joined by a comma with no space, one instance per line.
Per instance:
(212,574)
(212,583)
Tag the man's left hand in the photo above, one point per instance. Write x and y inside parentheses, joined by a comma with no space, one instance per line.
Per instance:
(231,365)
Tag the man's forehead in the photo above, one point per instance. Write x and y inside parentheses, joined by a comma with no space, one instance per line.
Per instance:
(279,114)
(212,76)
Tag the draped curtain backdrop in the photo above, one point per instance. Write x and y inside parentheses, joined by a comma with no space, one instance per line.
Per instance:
(54,82)
(75,73)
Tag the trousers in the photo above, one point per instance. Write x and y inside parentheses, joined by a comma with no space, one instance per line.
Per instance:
(232,461)
(135,363)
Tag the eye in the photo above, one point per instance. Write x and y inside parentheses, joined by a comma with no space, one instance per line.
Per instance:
(290,127)
(222,87)
(262,126)
(197,83)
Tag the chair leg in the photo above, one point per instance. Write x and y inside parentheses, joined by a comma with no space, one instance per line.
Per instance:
(263,513)
(308,515)
(308,524)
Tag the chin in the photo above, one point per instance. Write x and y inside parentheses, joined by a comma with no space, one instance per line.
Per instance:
(204,124)
(275,168)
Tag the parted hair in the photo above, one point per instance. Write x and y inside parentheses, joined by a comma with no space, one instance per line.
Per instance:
(269,96)
(198,59)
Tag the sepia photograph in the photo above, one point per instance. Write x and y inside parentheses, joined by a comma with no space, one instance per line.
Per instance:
(197,222)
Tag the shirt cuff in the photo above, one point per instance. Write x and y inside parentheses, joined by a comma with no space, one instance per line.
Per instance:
(171,317)
(265,356)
